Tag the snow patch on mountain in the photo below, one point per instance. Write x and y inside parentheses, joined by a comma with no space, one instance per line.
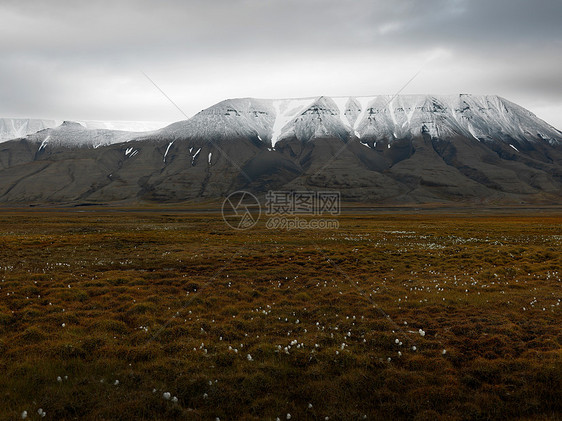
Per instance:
(73,134)
(381,117)
(15,128)
(285,112)
(233,118)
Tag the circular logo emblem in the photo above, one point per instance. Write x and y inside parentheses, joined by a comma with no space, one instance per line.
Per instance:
(241,210)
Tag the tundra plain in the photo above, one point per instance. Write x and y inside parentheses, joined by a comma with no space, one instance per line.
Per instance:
(161,314)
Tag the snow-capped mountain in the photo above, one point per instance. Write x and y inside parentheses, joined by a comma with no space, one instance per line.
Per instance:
(367,118)
(14,128)
(378,149)
(73,134)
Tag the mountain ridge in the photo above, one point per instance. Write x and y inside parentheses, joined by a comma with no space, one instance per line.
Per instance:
(380,149)
(14,128)
(375,117)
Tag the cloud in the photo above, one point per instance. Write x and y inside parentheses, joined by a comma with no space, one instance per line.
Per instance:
(83,60)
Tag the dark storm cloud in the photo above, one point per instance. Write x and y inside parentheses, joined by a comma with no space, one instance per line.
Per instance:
(61,54)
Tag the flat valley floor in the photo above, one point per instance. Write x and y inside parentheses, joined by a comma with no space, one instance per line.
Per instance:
(116,315)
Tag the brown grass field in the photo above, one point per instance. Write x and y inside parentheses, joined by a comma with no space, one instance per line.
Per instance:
(122,315)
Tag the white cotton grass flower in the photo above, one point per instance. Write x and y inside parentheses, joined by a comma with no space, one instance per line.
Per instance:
(288,416)
(422,332)
(249,357)
(444,352)
(41,413)
(59,379)
(116,382)
(175,399)
(24,415)
(166,395)
(414,348)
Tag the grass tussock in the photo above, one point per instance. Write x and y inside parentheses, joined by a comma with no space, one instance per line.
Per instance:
(116,315)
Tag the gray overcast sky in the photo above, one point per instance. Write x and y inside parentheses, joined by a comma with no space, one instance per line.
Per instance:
(74,59)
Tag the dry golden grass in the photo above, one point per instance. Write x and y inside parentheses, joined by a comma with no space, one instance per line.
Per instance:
(167,302)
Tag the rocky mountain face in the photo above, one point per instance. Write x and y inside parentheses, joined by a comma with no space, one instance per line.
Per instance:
(381,149)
